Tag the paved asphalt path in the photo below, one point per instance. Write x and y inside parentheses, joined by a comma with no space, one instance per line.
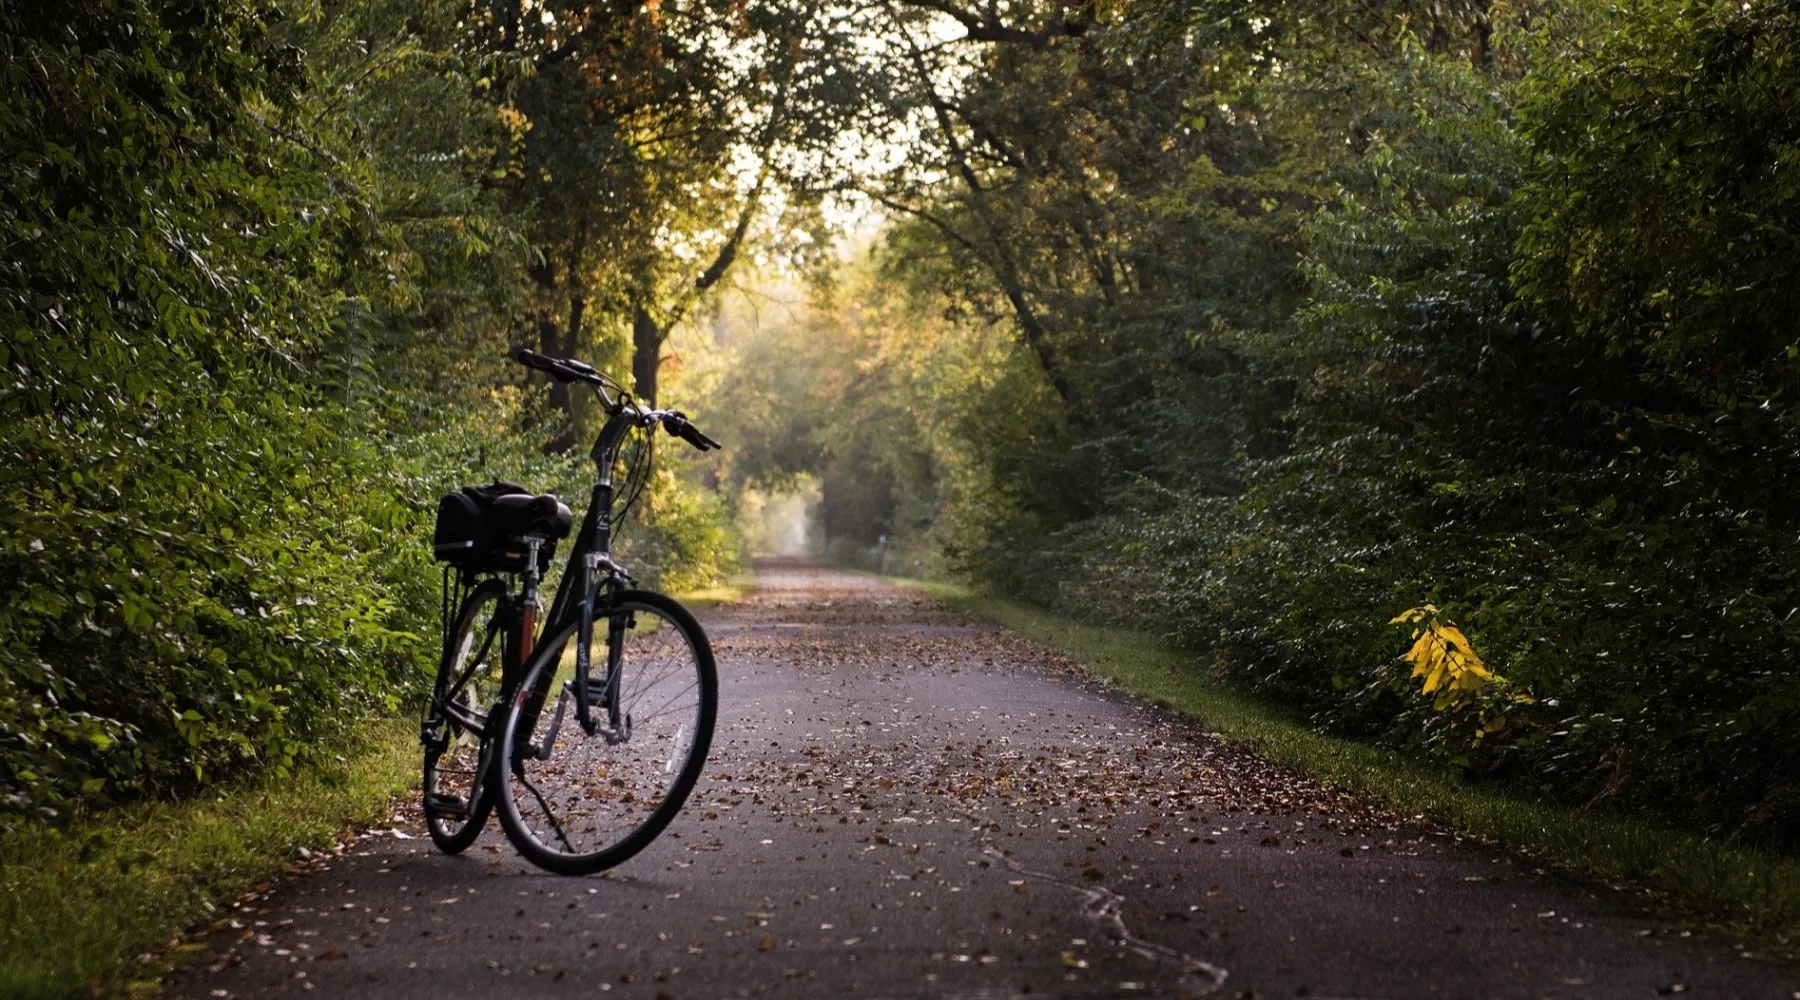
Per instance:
(905,802)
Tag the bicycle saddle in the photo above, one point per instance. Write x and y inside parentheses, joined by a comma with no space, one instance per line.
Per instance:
(524,514)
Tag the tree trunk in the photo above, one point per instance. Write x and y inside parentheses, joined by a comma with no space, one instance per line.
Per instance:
(562,347)
(551,344)
(577,311)
(646,355)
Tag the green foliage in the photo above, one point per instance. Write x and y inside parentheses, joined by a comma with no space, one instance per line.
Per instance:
(1268,323)
(276,266)
(1661,212)
(681,539)
(200,572)
(1376,308)
(1612,535)
(879,406)
(252,336)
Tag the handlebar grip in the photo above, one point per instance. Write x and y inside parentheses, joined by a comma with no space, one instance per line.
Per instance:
(532,359)
(678,425)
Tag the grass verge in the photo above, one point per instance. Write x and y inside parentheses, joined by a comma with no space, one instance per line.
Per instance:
(79,906)
(1740,889)
(729,592)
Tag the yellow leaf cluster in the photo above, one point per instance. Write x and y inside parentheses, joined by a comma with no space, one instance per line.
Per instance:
(1444,659)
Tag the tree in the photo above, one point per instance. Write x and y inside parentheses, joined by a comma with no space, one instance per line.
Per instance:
(654,137)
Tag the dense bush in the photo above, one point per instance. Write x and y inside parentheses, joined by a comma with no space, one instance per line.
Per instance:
(202,560)
(1316,334)
(1590,478)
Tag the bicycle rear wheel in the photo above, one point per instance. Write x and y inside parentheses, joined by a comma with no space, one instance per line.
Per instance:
(457,798)
(576,799)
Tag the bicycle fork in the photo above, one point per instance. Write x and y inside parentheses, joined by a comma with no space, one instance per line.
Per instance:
(583,689)
(615,730)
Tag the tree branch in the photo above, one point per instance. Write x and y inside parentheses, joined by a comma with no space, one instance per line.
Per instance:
(727,254)
(940,225)
(988,28)
(1005,269)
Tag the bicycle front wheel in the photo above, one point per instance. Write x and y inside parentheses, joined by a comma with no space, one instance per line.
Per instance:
(578,797)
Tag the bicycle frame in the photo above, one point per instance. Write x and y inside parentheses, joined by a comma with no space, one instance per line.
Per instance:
(591,574)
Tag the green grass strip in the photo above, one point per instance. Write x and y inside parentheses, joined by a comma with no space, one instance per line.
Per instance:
(729,592)
(78,906)
(1737,888)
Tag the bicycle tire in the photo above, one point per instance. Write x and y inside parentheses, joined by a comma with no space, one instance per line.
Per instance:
(589,804)
(465,787)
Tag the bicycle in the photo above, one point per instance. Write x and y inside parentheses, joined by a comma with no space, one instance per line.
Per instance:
(590,783)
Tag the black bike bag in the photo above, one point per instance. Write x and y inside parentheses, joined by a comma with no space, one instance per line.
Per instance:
(481,529)
(517,516)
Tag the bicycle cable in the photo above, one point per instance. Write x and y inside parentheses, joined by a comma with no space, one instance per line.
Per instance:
(637,475)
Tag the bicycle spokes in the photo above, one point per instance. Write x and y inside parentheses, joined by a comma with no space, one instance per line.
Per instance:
(581,792)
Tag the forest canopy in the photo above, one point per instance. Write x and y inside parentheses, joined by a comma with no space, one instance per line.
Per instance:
(1428,368)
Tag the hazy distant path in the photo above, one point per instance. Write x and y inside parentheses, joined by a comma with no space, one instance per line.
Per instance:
(904,802)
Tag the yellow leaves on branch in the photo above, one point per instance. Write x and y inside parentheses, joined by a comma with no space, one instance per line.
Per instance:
(1444,658)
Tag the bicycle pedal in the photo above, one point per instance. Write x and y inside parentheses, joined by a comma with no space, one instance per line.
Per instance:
(448,806)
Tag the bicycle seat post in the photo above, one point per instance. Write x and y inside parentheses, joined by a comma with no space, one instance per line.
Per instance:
(532,544)
(528,603)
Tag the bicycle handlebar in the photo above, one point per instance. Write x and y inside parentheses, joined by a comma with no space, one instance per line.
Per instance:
(560,369)
(570,370)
